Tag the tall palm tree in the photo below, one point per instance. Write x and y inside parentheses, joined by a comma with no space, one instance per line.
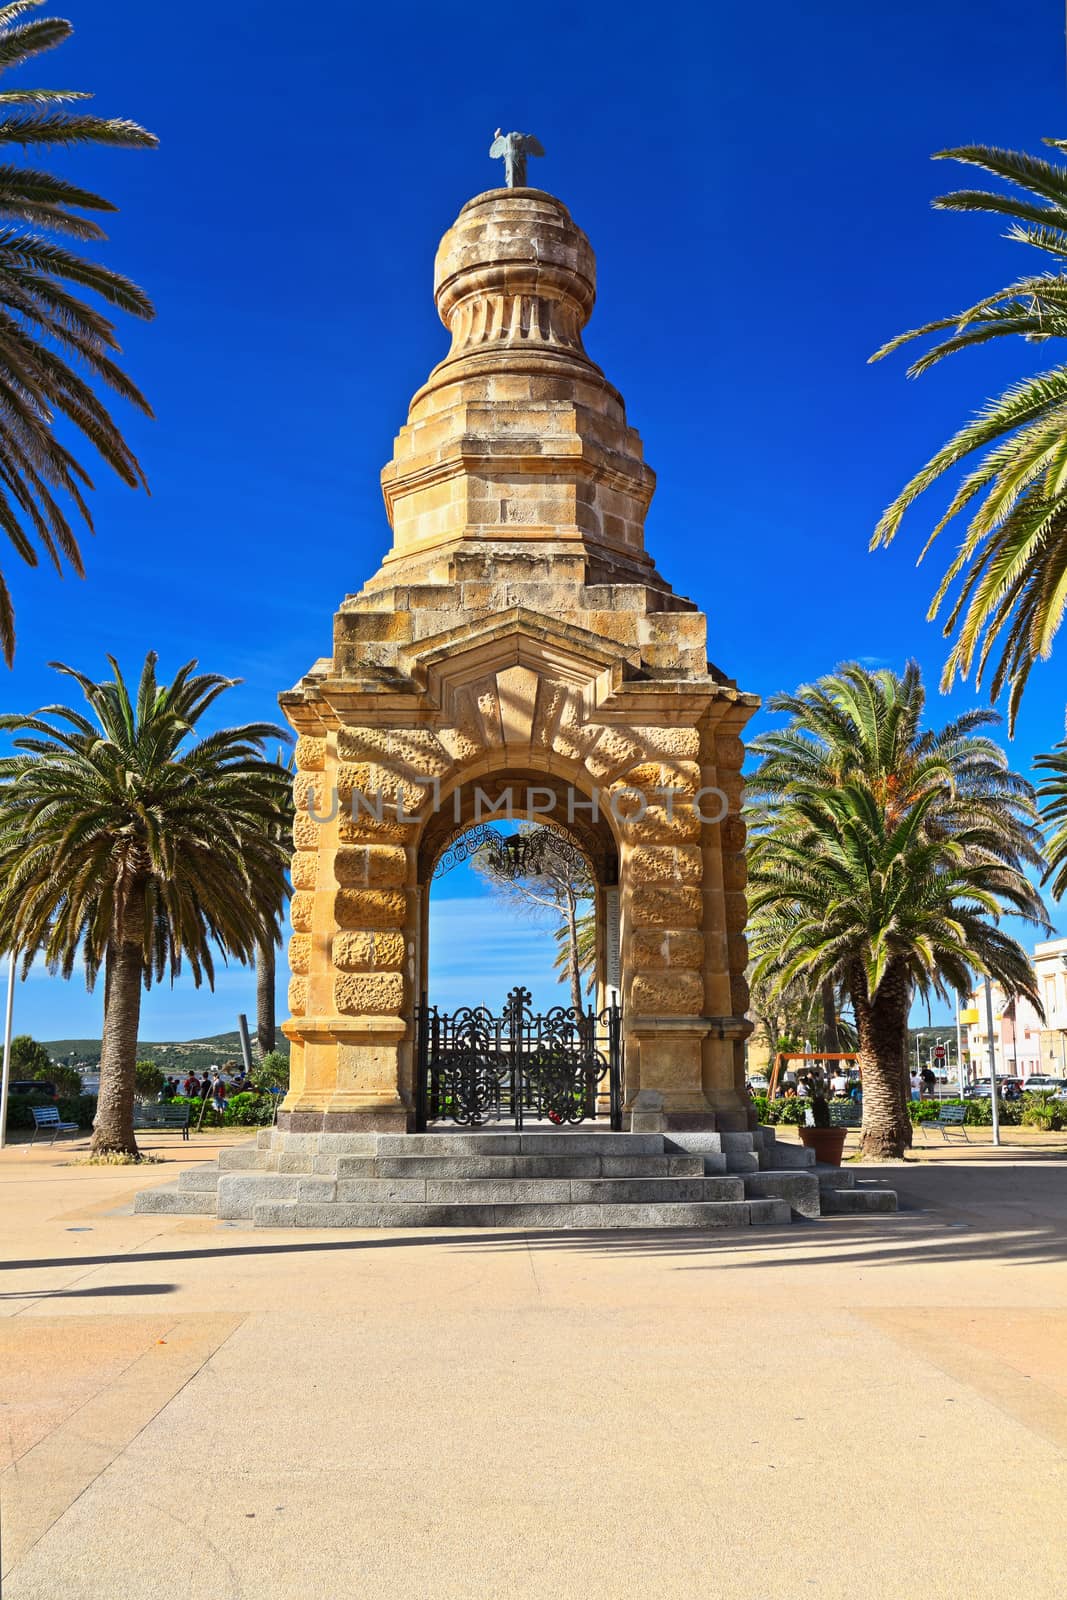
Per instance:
(575,958)
(939,804)
(49,335)
(266,1030)
(1012,560)
(129,843)
(840,891)
(869,724)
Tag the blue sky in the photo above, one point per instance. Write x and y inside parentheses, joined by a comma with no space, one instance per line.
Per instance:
(756,184)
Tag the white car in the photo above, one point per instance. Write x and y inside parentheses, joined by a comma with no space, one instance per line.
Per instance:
(759,1084)
(1039,1083)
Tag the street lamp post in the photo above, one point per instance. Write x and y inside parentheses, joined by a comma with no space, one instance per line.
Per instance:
(992,1062)
(6,1079)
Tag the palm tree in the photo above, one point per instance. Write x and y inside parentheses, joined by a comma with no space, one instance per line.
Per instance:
(1012,560)
(266,1032)
(1053,791)
(557,880)
(840,891)
(131,844)
(47,331)
(575,958)
(850,802)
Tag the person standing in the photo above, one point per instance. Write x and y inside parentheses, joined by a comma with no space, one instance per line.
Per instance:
(218,1096)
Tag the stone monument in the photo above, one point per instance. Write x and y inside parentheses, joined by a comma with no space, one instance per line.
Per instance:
(517,645)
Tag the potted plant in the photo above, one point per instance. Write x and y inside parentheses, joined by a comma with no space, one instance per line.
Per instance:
(827,1141)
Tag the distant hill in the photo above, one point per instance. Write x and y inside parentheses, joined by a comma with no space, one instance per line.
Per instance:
(190,1055)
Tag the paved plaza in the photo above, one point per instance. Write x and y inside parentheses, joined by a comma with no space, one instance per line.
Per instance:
(847,1407)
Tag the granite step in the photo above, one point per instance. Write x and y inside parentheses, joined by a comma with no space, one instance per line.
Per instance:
(539,1191)
(240,1192)
(513,1144)
(167,1198)
(199,1180)
(706,1214)
(244,1158)
(854,1202)
(835,1177)
(799,1189)
(520,1166)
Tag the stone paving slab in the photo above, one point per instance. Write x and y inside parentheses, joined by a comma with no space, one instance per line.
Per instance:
(451,1394)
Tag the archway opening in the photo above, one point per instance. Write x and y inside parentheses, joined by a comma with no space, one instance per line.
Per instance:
(519,958)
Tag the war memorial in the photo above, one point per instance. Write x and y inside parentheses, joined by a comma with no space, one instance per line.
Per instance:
(518,655)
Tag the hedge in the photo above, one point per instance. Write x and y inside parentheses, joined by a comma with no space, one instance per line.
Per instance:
(245,1110)
(79,1108)
(1032,1111)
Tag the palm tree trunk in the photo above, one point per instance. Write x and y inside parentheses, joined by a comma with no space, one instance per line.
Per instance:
(113,1123)
(830,1040)
(882,1027)
(265,1030)
(573,968)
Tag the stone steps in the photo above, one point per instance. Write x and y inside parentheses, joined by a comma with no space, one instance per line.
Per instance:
(800,1190)
(174,1202)
(714,1214)
(508,1179)
(520,1166)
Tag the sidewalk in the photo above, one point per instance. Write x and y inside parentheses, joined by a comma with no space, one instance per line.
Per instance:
(200,1411)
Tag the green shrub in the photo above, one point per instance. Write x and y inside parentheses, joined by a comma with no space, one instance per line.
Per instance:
(80,1109)
(272,1072)
(68,1081)
(1041,1111)
(979,1113)
(148,1079)
(927,1110)
(249,1111)
(790,1112)
(245,1110)
(761,1104)
(30,1059)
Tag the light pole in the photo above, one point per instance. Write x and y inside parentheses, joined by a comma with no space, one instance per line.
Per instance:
(959,1050)
(992,1062)
(6,1079)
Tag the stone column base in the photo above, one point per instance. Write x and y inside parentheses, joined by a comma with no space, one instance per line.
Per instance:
(382,1120)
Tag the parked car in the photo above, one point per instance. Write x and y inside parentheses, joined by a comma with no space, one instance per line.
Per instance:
(1007,1089)
(39,1086)
(758,1083)
(1039,1083)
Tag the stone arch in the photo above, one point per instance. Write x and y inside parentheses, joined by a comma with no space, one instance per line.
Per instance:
(467,800)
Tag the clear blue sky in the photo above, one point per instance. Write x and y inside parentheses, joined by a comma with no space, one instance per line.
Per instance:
(756,183)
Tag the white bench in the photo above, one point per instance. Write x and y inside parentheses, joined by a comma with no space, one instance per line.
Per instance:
(949,1117)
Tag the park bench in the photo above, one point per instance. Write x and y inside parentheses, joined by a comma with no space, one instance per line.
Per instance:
(948,1117)
(47,1117)
(163,1118)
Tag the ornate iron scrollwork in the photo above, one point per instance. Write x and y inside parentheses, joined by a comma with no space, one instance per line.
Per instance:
(514,855)
(560,1066)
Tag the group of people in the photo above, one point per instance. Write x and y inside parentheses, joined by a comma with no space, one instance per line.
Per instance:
(923,1083)
(212,1086)
(841,1086)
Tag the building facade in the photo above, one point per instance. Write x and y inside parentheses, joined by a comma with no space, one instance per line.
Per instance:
(1017,1033)
(1050,964)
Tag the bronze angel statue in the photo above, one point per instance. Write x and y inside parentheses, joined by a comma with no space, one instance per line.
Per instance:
(514,148)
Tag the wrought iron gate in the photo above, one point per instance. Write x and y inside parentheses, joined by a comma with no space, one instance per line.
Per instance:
(559,1066)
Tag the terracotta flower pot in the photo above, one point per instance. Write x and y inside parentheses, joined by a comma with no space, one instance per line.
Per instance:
(827,1143)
